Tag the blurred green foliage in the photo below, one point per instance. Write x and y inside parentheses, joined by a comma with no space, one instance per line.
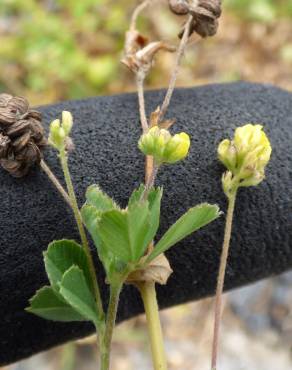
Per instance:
(62,49)
(260,10)
(67,45)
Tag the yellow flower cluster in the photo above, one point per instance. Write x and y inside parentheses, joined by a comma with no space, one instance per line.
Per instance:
(246,157)
(164,147)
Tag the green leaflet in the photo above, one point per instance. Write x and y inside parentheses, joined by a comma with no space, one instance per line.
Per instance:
(75,291)
(154,203)
(192,220)
(60,256)
(48,304)
(91,217)
(98,199)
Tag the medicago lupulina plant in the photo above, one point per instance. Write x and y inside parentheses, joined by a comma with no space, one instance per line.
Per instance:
(125,239)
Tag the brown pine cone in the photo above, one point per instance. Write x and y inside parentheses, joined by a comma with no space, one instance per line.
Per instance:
(21,135)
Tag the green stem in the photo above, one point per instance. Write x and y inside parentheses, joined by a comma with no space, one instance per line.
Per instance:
(55,181)
(221,276)
(84,241)
(115,291)
(148,293)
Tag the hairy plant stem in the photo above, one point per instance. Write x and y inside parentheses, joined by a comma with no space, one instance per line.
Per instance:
(115,290)
(179,55)
(55,181)
(148,294)
(84,241)
(220,279)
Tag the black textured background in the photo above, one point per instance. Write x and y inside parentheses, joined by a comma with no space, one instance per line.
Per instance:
(105,133)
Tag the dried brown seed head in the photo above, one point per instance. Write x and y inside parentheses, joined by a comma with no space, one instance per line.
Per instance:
(205,14)
(12,108)
(4,145)
(21,135)
(179,7)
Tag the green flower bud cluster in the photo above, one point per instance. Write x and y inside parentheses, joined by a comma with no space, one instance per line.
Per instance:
(245,157)
(164,147)
(60,130)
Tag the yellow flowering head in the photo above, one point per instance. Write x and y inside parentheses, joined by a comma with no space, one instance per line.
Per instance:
(177,147)
(252,145)
(246,156)
(164,147)
(60,130)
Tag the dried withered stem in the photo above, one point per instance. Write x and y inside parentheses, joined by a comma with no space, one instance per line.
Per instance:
(175,71)
(139,77)
(139,57)
(140,89)
(21,135)
(137,12)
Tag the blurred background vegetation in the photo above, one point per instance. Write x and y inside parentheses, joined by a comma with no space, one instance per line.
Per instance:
(54,50)
(65,49)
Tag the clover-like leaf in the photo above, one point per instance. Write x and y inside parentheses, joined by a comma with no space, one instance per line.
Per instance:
(50,305)
(75,291)
(100,200)
(60,256)
(192,220)
(123,232)
(122,236)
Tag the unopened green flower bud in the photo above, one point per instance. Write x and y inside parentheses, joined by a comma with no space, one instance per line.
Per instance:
(164,147)
(67,122)
(57,134)
(227,154)
(227,183)
(59,131)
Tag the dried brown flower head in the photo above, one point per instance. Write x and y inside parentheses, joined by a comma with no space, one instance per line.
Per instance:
(205,14)
(139,54)
(179,7)
(21,135)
